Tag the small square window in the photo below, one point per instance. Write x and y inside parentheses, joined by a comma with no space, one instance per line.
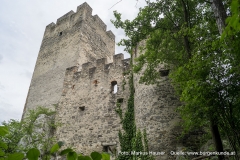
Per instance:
(120,100)
(82,108)
(164,73)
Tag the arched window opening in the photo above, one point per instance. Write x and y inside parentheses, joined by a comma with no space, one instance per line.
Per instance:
(114,87)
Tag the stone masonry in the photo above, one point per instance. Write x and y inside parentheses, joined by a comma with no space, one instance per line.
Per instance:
(77,71)
(75,39)
(155,111)
(87,106)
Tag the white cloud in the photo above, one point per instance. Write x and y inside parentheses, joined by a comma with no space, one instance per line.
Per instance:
(9,111)
(1,87)
(1,57)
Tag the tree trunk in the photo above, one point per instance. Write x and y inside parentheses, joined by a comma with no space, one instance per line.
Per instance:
(216,139)
(186,20)
(220,14)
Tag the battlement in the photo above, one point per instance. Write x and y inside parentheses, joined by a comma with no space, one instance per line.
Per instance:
(84,8)
(70,19)
(100,65)
(110,34)
(100,22)
(65,17)
(86,66)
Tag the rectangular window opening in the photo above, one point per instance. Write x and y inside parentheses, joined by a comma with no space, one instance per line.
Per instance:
(82,108)
(120,100)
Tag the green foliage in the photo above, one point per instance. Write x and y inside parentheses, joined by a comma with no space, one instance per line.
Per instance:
(17,137)
(38,127)
(105,156)
(138,145)
(3,147)
(123,84)
(33,154)
(66,151)
(16,156)
(3,130)
(84,158)
(145,141)
(233,21)
(128,124)
(32,116)
(183,36)
(96,156)
(13,137)
(72,156)
(54,148)
(130,140)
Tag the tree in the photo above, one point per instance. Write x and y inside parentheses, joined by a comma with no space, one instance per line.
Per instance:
(34,153)
(24,135)
(220,14)
(13,137)
(184,35)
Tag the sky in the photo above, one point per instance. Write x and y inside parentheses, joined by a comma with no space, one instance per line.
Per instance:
(22,25)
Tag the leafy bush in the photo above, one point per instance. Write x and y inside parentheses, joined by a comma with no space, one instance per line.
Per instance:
(34,153)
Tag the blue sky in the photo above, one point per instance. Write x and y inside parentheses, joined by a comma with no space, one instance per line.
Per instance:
(22,24)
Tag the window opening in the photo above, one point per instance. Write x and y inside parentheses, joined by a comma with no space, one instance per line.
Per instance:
(95,82)
(82,108)
(114,87)
(164,73)
(60,33)
(107,149)
(120,100)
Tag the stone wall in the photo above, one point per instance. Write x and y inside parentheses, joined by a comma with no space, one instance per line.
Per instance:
(155,111)
(75,39)
(87,106)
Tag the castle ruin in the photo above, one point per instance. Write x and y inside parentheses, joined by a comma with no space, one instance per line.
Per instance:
(76,69)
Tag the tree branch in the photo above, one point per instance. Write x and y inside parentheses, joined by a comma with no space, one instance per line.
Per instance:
(208,2)
(115,4)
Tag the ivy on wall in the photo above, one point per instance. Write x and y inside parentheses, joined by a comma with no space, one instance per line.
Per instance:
(131,140)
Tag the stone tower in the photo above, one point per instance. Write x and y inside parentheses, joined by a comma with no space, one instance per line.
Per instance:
(75,39)
(76,69)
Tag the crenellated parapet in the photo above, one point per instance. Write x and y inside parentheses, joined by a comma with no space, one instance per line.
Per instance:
(101,24)
(74,19)
(110,34)
(84,9)
(97,69)
(65,17)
